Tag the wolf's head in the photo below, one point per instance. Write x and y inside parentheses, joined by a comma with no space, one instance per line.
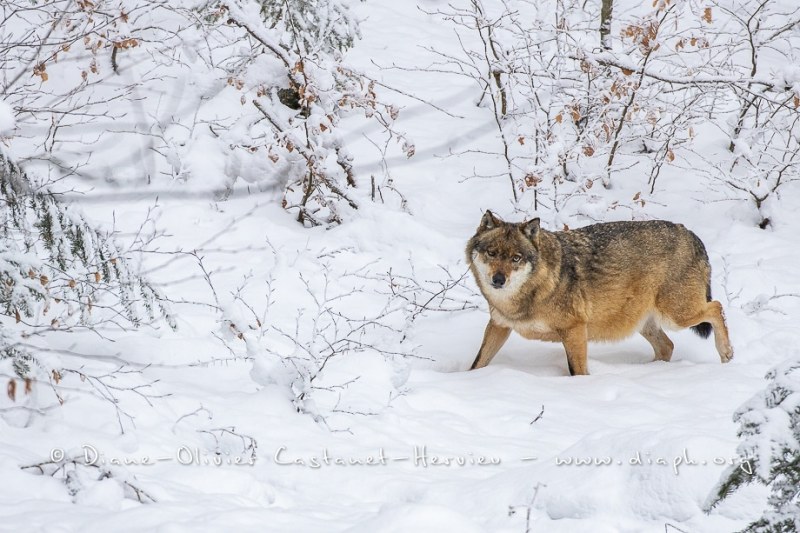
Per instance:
(503,254)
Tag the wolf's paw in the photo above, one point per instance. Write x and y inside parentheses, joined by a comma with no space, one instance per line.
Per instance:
(726,354)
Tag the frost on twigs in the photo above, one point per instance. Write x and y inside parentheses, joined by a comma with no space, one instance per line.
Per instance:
(569,110)
(334,337)
(88,482)
(58,274)
(298,111)
(563,118)
(208,94)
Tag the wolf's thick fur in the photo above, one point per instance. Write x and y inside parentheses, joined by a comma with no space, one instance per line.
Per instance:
(602,282)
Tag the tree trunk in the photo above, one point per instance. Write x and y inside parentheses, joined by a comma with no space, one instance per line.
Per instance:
(606,11)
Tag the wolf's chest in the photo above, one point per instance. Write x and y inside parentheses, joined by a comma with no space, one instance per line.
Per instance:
(528,328)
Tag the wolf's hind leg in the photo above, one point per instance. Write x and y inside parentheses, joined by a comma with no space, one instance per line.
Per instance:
(716,317)
(661,344)
(493,339)
(711,312)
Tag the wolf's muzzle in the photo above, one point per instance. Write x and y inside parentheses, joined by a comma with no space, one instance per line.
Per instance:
(498,280)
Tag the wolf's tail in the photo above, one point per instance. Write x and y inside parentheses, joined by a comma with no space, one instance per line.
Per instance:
(704,328)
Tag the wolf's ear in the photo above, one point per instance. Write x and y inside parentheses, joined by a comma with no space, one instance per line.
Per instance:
(489,221)
(531,230)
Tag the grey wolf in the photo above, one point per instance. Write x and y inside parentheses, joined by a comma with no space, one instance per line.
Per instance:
(602,282)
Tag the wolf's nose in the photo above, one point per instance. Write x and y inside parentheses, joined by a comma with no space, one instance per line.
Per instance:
(498,280)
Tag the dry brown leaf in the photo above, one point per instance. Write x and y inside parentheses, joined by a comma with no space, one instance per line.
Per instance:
(532,180)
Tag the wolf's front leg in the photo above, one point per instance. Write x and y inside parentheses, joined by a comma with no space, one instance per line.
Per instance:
(575,340)
(493,339)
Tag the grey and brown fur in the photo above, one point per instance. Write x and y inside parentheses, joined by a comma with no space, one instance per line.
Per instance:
(602,282)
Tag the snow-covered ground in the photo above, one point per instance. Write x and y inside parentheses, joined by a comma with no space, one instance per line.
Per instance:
(439,448)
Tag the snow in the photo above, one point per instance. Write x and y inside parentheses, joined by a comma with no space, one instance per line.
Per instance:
(422,518)
(665,429)
(6,118)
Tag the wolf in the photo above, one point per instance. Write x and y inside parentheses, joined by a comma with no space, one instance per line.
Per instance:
(602,282)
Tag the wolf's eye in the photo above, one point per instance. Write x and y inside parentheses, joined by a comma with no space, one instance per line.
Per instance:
(491,253)
(517,258)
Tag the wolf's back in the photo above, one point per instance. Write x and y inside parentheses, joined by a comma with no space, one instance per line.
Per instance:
(637,244)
